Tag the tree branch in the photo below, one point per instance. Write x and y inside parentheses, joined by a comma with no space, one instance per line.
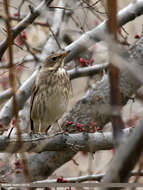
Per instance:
(87,71)
(61,142)
(127,155)
(21,26)
(126,15)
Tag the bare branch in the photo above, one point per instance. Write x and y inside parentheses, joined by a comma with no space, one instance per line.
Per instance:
(21,26)
(22,95)
(87,71)
(5,95)
(126,15)
(76,142)
(96,177)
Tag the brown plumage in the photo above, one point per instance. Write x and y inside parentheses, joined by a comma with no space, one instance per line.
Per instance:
(50,94)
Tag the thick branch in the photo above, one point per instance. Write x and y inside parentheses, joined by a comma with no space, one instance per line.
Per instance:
(77,142)
(22,95)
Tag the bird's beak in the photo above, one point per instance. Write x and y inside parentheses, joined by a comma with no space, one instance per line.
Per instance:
(66,53)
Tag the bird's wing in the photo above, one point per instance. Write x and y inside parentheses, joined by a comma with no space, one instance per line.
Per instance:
(34,91)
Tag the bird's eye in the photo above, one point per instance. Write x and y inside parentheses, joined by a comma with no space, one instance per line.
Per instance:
(54,59)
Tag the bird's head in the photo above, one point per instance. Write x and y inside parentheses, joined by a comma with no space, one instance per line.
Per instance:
(55,60)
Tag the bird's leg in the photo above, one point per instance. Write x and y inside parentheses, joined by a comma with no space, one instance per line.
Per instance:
(40,128)
(61,131)
(59,126)
(10,132)
(47,129)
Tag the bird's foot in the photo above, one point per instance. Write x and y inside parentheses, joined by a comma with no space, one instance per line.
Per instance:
(31,133)
(62,132)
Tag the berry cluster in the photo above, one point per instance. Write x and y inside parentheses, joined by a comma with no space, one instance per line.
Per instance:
(79,126)
(85,63)
(67,123)
(13,121)
(20,38)
(60,179)
(18,166)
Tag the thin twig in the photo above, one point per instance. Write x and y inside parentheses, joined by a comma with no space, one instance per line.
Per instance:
(115,96)
(12,80)
(55,37)
(20,27)
(96,177)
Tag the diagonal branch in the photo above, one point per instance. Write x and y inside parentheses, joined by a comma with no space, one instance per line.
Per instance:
(21,26)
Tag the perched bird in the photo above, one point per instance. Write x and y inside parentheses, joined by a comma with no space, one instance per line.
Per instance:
(50,94)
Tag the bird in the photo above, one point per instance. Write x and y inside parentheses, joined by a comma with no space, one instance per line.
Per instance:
(50,93)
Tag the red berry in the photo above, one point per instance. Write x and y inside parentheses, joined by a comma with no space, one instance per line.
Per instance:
(16,14)
(79,125)
(136,36)
(24,35)
(83,130)
(19,39)
(18,164)
(18,171)
(13,121)
(67,123)
(98,129)
(82,60)
(60,179)
(87,62)
(65,181)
